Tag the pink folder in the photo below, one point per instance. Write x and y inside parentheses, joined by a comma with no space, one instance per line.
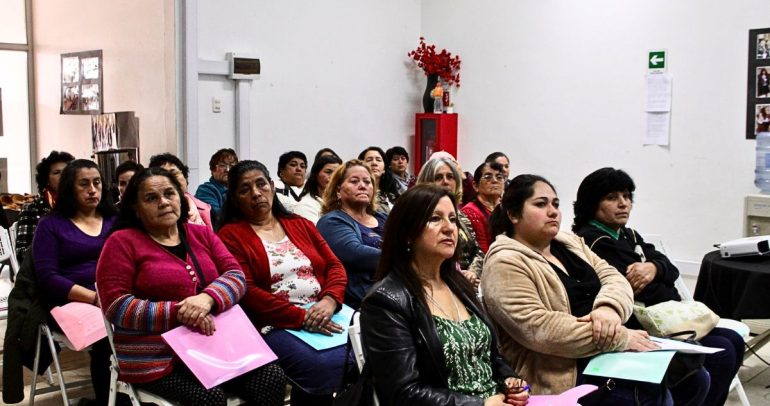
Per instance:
(236,347)
(567,398)
(82,323)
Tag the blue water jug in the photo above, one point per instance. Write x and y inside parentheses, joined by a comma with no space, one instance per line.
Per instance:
(762,171)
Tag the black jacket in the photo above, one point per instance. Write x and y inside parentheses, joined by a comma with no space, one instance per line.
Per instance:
(620,253)
(401,344)
(26,311)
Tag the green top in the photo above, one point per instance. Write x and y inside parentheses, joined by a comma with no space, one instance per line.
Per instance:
(612,233)
(467,349)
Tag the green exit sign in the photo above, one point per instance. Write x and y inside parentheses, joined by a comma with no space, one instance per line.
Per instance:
(656,60)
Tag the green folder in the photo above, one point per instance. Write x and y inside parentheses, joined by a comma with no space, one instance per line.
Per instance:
(647,366)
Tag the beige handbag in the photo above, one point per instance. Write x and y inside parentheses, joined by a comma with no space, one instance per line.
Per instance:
(671,317)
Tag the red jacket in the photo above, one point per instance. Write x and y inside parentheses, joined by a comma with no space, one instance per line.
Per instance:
(264,308)
(479,217)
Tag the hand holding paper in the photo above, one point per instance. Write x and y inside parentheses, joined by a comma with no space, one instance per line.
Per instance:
(235,348)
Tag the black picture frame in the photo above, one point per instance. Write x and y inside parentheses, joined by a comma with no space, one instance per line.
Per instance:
(81,83)
(758,90)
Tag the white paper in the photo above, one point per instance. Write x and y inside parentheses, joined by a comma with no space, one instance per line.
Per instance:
(658,93)
(656,128)
(681,346)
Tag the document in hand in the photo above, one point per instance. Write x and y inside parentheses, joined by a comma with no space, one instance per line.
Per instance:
(647,366)
(567,398)
(82,323)
(323,342)
(236,347)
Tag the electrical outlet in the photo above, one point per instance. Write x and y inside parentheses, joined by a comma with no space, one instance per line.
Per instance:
(216,105)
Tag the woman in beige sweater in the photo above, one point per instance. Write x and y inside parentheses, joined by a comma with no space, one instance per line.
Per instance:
(555,303)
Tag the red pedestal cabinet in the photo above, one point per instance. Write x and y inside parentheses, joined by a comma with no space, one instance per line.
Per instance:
(433,132)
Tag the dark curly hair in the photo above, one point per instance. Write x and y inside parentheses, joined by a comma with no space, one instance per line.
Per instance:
(220,156)
(156,161)
(480,170)
(43,168)
(128,166)
(66,197)
(286,157)
(594,188)
(390,153)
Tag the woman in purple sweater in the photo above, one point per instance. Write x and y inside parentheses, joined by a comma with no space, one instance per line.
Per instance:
(159,272)
(66,248)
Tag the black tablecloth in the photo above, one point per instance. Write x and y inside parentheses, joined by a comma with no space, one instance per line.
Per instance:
(735,288)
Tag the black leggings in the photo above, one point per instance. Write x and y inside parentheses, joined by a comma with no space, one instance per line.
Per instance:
(263,386)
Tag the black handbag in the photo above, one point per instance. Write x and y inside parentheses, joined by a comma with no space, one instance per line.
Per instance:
(358,393)
(683,365)
(356,388)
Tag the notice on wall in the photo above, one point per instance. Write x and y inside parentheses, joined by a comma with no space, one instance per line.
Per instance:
(658,92)
(657,128)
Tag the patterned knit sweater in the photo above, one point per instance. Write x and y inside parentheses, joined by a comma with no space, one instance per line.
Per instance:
(139,282)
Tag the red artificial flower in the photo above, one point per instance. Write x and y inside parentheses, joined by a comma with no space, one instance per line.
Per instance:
(442,64)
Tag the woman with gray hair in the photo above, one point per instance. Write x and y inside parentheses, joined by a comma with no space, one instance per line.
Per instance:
(442,172)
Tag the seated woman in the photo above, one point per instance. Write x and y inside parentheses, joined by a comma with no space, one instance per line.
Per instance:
(556,303)
(123,173)
(353,227)
(47,175)
(488,180)
(288,266)
(160,272)
(384,182)
(292,166)
(199,211)
(66,247)
(311,198)
(603,206)
(443,173)
(424,334)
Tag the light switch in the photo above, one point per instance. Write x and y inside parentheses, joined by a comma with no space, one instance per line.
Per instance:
(216,105)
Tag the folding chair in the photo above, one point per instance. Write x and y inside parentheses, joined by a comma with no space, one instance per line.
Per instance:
(52,337)
(354,332)
(136,395)
(7,253)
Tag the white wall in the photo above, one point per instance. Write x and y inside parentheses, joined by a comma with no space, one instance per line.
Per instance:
(14,144)
(558,86)
(137,40)
(334,73)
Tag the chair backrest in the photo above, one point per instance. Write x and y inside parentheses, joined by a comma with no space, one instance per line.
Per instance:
(7,252)
(657,241)
(354,332)
(12,232)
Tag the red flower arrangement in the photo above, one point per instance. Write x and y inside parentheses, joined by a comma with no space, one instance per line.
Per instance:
(443,64)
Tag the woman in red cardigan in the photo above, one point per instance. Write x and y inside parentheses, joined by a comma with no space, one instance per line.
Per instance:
(288,267)
(157,272)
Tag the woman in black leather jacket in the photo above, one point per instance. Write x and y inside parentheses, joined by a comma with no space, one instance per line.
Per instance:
(424,334)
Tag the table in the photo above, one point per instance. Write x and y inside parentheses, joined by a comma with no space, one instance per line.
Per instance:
(736,288)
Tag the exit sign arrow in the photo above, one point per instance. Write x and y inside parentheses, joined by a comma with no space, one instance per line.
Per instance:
(656,60)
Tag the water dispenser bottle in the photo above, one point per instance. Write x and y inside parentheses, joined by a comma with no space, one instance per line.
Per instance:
(762,171)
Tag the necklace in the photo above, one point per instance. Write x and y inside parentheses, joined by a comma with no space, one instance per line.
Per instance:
(454,301)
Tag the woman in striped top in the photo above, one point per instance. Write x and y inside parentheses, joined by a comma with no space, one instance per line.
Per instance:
(159,272)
